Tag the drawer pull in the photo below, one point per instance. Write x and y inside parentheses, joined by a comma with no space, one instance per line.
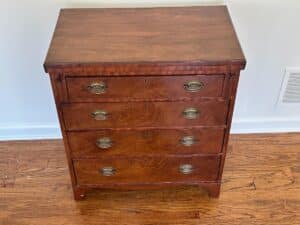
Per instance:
(193,86)
(104,143)
(97,88)
(190,113)
(188,141)
(186,168)
(108,171)
(99,115)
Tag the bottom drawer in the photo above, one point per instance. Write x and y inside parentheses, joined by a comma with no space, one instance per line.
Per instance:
(146,170)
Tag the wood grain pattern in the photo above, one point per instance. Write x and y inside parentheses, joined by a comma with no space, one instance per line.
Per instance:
(162,48)
(146,69)
(233,85)
(143,114)
(261,185)
(58,85)
(143,88)
(124,36)
(146,170)
(145,142)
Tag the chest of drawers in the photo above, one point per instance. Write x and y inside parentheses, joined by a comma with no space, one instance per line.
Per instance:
(145,96)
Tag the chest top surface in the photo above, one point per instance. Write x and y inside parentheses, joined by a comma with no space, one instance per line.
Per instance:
(144,35)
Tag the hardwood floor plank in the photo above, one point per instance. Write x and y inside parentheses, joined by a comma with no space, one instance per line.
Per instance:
(260,186)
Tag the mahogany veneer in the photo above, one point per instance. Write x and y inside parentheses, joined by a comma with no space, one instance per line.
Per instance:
(144,88)
(146,170)
(143,114)
(146,141)
(145,96)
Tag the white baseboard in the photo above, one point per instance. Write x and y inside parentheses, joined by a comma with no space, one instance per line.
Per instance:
(30,132)
(244,126)
(263,125)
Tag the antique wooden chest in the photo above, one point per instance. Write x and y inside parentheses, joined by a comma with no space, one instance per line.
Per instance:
(145,96)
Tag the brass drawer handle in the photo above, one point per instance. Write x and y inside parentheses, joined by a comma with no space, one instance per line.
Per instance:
(186,168)
(99,115)
(104,143)
(97,88)
(190,113)
(188,141)
(108,171)
(193,86)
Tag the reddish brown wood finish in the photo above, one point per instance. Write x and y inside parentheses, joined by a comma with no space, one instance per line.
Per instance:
(146,69)
(187,34)
(143,114)
(146,142)
(143,88)
(57,87)
(146,170)
(232,92)
(145,63)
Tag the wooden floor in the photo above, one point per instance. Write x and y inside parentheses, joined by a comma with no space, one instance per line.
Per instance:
(261,186)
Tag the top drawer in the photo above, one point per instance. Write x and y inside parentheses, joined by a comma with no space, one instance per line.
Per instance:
(99,89)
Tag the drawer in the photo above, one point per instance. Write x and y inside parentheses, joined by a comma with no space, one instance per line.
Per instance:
(93,89)
(80,116)
(146,170)
(151,142)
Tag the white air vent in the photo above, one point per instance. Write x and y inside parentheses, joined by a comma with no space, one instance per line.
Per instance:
(290,90)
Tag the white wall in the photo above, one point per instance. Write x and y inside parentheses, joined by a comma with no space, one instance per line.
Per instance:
(268,31)
(270,35)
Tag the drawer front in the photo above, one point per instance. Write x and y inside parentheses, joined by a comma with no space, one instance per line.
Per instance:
(151,142)
(133,88)
(146,170)
(144,114)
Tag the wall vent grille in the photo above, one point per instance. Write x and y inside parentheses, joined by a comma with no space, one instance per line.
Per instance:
(290,91)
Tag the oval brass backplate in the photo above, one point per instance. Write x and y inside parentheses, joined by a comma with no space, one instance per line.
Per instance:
(190,113)
(97,88)
(104,143)
(193,86)
(99,115)
(108,171)
(188,141)
(186,168)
